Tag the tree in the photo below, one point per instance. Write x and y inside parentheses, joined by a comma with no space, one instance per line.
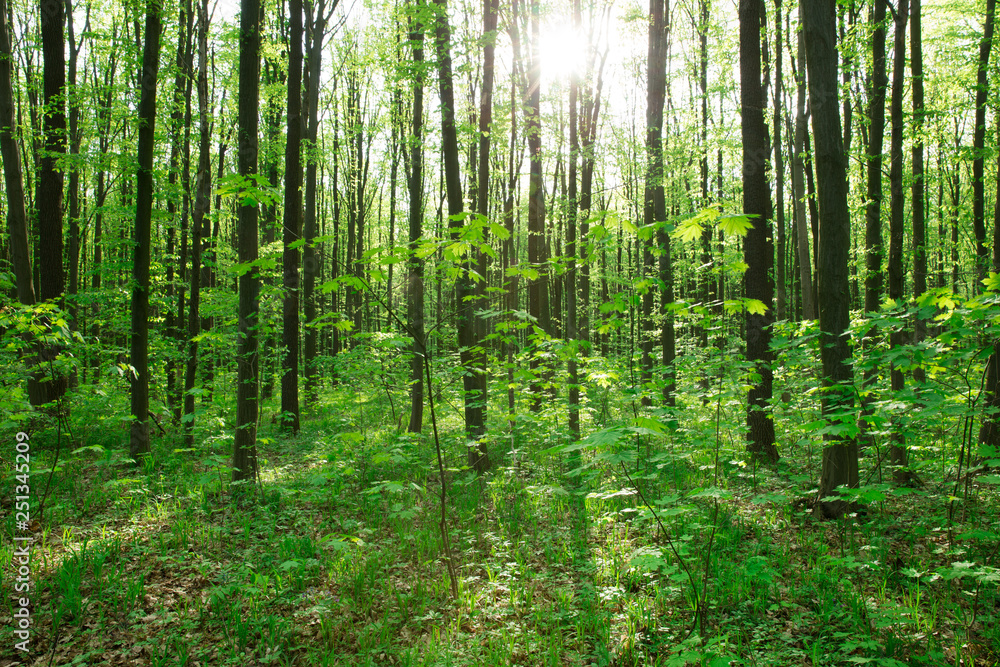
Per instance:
(139,432)
(799,185)
(474,396)
(758,248)
(292,227)
(415,264)
(654,210)
(538,287)
(840,454)
(319,16)
(245,442)
(49,198)
(979,142)
(897,447)
(17,219)
(199,222)
(873,203)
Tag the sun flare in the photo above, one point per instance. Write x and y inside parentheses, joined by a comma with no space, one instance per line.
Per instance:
(561,51)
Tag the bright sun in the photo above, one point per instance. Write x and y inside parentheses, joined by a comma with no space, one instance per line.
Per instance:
(561,51)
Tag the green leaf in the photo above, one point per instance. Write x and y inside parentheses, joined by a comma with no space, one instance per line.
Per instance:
(736,224)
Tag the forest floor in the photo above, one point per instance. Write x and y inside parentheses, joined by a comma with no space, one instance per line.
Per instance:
(337,558)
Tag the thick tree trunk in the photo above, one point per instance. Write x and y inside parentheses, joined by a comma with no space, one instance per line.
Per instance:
(245,443)
(840,455)
(292,229)
(139,433)
(49,199)
(758,248)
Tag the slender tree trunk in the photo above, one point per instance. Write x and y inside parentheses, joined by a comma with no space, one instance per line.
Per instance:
(799,188)
(654,207)
(75,140)
(292,229)
(979,145)
(779,170)
(918,187)
(245,442)
(139,433)
(897,445)
(474,397)
(758,249)
(538,289)
(310,258)
(17,219)
(572,315)
(199,223)
(840,455)
(873,204)
(415,265)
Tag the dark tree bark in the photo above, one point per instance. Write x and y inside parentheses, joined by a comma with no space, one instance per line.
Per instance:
(179,137)
(292,228)
(803,252)
(758,248)
(199,223)
(538,289)
(17,219)
(779,170)
(472,381)
(478,458)
(654,207)
(873,204)
(415,265)
(139,432)
(75,140)
(918,186)
(245,443)
(896,273)
(979,145)
(318,17)
(840,455)
(50,177)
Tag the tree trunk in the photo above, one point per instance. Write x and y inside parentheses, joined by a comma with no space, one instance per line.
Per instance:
(979,145)
(245,442)
(798,186)
(310,258)
(139,433)
(17,219)
(917,189)
(474,397)
(840,455)
(758,248)
(415,265)
(292,228)
(897,445)
(199,224)
(49,199)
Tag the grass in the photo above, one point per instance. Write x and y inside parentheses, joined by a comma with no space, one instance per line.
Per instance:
(336,559)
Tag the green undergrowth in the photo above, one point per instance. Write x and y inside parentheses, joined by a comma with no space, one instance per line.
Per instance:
(654,541)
